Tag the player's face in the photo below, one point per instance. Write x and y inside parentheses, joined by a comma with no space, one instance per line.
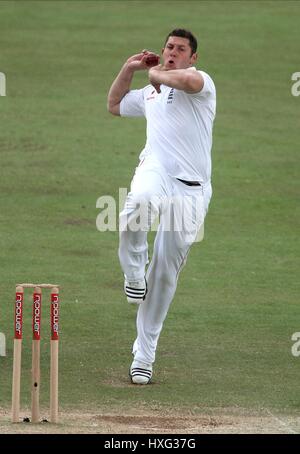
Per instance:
(177,53)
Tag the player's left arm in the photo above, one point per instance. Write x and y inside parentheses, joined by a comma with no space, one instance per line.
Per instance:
(181,79)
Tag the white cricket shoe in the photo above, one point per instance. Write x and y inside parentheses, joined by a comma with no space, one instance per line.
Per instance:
(140,373)
(135,291)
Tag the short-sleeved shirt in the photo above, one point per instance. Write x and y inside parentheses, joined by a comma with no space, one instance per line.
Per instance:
(179,127)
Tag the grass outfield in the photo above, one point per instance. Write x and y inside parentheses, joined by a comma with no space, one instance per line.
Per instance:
(227,339)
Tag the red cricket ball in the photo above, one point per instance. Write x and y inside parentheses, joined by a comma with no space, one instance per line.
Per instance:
(152,61)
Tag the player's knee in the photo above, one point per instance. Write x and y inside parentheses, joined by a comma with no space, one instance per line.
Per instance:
(140,199)
(166,278)
(141,208)
(165,273)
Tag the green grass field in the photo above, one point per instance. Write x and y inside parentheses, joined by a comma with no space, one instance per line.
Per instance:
(227,339)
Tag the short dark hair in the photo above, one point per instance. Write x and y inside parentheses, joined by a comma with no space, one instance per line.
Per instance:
(183,33)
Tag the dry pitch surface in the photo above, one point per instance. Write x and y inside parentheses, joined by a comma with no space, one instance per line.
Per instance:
(232,421)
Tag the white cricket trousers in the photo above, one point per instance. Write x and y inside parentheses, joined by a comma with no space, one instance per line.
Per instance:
(181,210)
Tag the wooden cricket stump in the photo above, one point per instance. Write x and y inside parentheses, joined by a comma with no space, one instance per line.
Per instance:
(54,356)
(36,338)
(18,332)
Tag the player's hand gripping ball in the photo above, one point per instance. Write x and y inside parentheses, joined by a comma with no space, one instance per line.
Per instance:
(152,61)
(151,58)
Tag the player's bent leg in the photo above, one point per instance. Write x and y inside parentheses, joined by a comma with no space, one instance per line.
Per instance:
(135,222)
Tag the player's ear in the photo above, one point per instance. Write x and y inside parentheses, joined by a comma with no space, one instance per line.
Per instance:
(194,58)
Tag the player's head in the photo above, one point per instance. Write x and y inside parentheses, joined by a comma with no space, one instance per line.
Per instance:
(183,33)
(180,49)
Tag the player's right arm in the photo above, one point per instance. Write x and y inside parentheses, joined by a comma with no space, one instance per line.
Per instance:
(121,85)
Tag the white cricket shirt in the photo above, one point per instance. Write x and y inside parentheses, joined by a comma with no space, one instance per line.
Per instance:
(179,127)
